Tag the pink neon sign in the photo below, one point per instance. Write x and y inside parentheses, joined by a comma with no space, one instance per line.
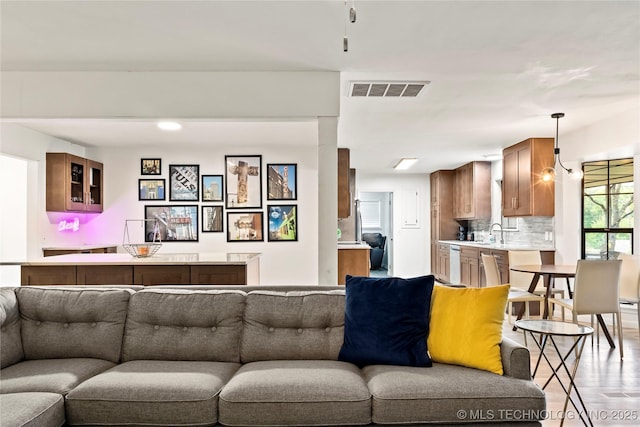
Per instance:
(65,225)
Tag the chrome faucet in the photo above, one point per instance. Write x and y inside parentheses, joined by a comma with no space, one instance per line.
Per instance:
(501,231)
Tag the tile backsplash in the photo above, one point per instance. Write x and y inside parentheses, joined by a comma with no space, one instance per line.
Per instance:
(529,230)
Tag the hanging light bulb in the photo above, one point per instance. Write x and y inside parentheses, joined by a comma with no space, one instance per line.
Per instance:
(549,173)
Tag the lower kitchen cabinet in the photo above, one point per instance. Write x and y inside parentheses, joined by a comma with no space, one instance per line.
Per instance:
(444,263)
(469,269)
(103,275)
(353,262)
(52,275)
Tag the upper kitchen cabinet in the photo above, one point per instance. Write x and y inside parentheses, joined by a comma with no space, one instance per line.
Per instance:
(443,226)
(344,193)
(472,191)
(523,191)
(74,184)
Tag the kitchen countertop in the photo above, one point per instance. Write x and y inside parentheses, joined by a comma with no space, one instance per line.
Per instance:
(503,247)
(158,259)
(353,245)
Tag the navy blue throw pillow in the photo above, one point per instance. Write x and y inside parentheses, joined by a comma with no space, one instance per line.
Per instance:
(387,321)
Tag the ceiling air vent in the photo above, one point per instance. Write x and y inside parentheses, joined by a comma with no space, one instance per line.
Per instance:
(389,89)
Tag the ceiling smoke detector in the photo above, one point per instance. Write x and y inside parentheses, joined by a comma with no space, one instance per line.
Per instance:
(386,89)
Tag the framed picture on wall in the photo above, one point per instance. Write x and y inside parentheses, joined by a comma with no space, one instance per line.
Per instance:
(183,182)
(212,188)
(177,223)
(245,227)
(151,189)
(282,181)
(212,221)
(150,166)
(243,182)
(283,223)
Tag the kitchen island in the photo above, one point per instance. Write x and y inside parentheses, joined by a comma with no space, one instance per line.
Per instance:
(353,259)
(160,269)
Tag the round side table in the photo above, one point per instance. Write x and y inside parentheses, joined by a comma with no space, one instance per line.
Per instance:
(543,331)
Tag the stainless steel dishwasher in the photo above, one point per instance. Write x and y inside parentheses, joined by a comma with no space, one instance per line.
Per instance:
(454,264)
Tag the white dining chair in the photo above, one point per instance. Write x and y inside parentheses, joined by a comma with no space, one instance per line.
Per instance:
(630,282)
(596,291)
(492,275)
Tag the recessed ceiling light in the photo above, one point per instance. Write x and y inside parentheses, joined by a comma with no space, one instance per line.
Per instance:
(405,163)
(169,125)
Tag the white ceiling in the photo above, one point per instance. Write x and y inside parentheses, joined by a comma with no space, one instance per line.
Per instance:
(498,69)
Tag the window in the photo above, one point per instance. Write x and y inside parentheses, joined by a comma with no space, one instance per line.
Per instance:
(607,209)
(370,211)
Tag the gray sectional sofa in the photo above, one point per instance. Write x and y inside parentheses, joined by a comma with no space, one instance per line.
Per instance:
(230,356)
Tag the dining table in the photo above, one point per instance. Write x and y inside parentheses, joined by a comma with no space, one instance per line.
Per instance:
(549,272)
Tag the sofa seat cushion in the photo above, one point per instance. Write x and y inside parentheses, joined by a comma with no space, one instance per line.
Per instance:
(50,375)
(296,392)
(151,392)
(32,409)
(449,394)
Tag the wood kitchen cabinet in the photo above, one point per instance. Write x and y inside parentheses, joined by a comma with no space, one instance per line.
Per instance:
(523,191)
(443,226)
(472,191)
(444,266)
(344,194)
(354,262)
(74,184)
(469,266)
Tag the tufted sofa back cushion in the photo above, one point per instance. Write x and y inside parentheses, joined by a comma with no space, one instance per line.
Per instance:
(11,349)
(184,325)
(292,325)
(66,323)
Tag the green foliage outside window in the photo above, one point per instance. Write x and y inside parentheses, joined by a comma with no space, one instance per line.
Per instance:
(607,221)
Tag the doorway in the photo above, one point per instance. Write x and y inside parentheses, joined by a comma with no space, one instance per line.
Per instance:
(13,218)
(377,217)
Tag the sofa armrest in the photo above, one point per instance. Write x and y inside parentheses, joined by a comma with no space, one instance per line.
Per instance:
(516,360)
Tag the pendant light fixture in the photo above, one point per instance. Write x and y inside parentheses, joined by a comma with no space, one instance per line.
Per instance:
(549,173)
(352,18)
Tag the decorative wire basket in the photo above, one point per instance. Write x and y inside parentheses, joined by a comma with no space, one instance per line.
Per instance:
(142,250)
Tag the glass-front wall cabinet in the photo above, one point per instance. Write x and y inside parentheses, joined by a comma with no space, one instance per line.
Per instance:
(74,184)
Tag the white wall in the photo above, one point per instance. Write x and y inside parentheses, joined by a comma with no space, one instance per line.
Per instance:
(611,138)
(280,263)
(411,249)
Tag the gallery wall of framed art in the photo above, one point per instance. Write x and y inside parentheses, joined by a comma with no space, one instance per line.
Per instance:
(238,189)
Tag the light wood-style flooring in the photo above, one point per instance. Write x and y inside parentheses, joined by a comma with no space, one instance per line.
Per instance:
(610,387)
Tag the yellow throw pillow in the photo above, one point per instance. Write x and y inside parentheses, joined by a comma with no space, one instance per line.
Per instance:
(466,326)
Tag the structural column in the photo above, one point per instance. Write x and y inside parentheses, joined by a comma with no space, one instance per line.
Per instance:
(327,200)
